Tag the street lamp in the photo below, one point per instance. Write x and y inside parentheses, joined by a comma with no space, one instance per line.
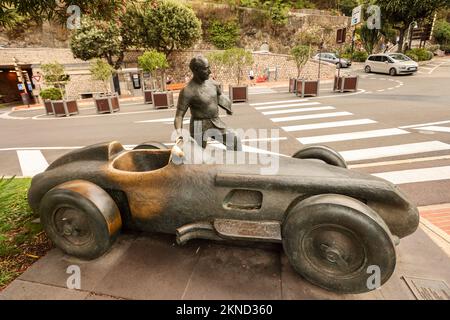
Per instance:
(412,25)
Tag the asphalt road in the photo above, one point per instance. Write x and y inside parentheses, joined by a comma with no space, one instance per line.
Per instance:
(395,127)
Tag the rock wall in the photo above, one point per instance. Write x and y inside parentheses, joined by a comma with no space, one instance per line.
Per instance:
(280,67)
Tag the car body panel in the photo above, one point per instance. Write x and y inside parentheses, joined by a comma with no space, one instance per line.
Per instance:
(162,196)
(332,58)
(383,63)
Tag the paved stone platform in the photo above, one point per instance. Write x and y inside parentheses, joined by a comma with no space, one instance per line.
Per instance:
(154,267)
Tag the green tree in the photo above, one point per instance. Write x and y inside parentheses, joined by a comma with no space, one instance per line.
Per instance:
(402,13)
(369,38)
(236,59)
(442,32)
(278,13)
(154,62)
(105,40)
(101,71)
(223,35)
(8,16)
(301,57)
(54,74)
(57,9)
(168,25)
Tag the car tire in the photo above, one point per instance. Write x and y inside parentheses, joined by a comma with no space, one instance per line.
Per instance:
(367,69)
(80,218)
(323,153)
(338,65)
(151,145)
(393,72)
(338,243)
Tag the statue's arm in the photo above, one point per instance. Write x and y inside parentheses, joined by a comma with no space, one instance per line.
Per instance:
(224,101)
(182,107)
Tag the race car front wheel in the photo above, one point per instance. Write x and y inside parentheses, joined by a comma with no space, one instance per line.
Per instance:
(80,218)
(339,244)
(323,153)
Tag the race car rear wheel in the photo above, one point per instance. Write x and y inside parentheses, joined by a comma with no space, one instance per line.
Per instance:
(339,244)
(151,145)
(80,218)
(323,153)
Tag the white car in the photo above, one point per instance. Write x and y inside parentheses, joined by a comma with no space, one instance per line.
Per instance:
(390,63)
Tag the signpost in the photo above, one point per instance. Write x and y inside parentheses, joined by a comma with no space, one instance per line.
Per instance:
(356,15)
(356,19)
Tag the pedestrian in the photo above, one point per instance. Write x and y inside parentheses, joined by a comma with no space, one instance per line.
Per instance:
(251,76)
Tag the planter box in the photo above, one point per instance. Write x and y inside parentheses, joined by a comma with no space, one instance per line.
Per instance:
(148,96)
(48,107)
(107,104)
(64,108)
(307,88)
(163,99)
(343,84)
(238,93)
(292,85)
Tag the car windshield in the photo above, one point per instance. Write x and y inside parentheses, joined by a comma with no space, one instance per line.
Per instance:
(399,57)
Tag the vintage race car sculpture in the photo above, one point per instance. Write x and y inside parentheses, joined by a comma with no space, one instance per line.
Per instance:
(333,223)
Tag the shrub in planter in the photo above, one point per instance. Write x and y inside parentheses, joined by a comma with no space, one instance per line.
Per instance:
(51,94)
(48,95)
(235,59)
(155,63)
(102,71)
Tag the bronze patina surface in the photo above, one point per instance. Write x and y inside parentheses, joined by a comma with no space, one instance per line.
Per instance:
(334,223)
(203,97)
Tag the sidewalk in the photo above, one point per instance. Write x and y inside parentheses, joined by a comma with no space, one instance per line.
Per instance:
(154,267)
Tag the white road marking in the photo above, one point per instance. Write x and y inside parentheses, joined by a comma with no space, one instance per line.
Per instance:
(397,162)
(169,120)
(416,175)
(267,113)
(31,162)
(312,116)
(288,105)
(435,128)
(391,151)
(352,136)
(424,124)
(276,102)
(333,124)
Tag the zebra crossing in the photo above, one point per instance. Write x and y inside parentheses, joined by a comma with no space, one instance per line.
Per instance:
(311,123)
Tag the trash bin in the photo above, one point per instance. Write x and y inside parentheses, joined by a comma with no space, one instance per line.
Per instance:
(25,98)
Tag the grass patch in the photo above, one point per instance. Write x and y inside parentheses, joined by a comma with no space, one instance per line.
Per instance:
(22,241)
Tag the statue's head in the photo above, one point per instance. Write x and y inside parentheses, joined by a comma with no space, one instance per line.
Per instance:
(200,68)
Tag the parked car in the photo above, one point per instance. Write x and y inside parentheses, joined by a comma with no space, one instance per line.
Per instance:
(333,58)
(333,223)
(390,63)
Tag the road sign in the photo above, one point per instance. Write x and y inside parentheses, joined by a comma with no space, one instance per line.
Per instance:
(356,15)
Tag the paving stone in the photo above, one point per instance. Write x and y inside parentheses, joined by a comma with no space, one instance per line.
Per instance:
(231,272)
(25,290)
(153,267)
(52,268)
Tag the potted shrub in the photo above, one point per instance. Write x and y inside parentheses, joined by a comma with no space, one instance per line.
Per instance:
(155,63)
(302,87)
(54,75)
(102,71)
(345,83)
(236,59)
(48,95)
